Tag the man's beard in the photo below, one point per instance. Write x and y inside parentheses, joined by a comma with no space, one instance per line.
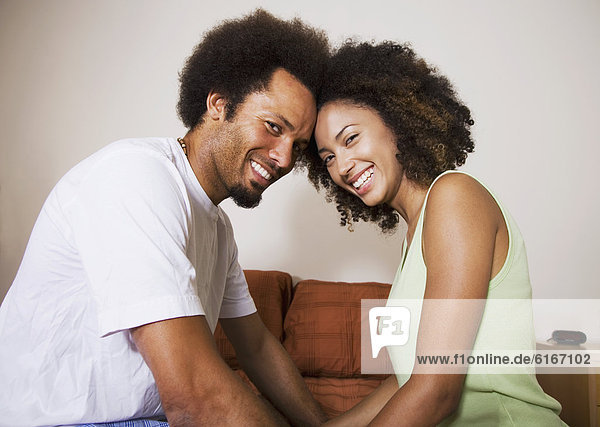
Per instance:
(243,197)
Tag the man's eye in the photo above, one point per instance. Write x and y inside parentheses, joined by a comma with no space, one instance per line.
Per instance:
(274,127)
(299,148)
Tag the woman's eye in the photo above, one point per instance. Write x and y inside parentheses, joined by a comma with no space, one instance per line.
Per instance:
(350,139)
(327,159)
(274,127)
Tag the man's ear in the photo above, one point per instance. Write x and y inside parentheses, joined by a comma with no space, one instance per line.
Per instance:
(216,105)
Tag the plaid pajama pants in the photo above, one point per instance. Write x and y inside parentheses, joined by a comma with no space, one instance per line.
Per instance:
(130,423)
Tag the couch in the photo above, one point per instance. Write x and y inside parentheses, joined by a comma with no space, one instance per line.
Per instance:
(318,323)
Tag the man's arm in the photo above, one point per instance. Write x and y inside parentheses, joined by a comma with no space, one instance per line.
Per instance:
(195,384)
(270,368)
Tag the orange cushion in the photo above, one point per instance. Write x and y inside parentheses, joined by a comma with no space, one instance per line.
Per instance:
(272,292)
(337,395)
(322,326)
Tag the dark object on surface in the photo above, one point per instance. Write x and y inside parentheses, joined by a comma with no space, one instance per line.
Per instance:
(568,337)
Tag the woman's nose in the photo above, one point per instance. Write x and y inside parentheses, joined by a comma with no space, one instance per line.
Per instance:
(345,166)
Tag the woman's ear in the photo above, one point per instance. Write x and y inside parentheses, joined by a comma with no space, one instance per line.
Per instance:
(216,105)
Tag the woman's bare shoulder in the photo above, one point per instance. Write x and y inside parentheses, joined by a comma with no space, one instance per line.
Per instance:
(460,191)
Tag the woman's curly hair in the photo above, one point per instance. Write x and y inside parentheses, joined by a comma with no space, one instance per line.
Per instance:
(239,56)
(430,124)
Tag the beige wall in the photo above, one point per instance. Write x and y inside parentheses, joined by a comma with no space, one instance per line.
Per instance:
(77,75)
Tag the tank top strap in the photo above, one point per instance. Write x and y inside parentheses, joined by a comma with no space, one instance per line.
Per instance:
(419,229)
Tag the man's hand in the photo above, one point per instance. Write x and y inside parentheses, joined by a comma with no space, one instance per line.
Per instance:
(195,384)
(270,368)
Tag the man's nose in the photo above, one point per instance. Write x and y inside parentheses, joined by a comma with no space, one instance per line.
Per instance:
(282,153)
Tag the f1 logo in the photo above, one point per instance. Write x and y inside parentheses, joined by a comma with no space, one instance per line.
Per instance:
(388,326)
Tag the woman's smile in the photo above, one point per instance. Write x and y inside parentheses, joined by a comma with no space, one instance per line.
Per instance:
(362,181)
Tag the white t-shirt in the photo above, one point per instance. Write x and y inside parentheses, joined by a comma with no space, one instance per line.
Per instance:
(127,237)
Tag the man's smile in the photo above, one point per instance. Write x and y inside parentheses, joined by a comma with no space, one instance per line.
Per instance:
(261,170)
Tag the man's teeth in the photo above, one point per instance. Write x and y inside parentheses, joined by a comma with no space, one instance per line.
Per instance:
(363,179)
(258,168)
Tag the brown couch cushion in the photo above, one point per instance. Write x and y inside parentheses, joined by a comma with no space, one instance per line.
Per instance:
(272,292)
(322,326)
(337,395)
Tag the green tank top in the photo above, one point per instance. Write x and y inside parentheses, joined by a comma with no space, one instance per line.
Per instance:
(487,399)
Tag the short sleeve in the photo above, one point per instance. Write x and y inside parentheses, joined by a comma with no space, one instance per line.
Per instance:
(130,221)
(237,301)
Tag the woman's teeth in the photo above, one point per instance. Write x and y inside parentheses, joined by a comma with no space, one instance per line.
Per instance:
(363,179)
(258,168)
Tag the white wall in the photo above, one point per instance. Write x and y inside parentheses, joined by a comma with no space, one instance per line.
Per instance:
(76,75)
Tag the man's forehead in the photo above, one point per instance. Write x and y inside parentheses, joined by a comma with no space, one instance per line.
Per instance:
(286,84)
(291,102)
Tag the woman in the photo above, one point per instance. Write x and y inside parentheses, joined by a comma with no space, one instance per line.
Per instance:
(389,133)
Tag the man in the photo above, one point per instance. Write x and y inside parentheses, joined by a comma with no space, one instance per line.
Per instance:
(131,261)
